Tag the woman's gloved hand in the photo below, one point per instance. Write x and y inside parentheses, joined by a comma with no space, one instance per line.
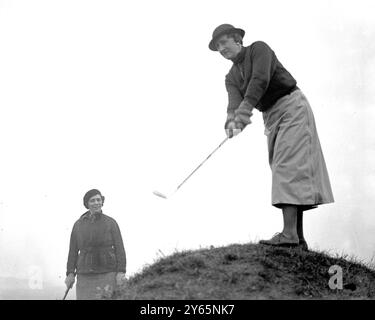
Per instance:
(230,126)
(243,114)
(232,129)
(70,279)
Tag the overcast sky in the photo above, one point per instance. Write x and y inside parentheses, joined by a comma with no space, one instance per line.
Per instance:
(126,97)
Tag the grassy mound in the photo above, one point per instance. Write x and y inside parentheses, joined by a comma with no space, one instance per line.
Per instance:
(249,271)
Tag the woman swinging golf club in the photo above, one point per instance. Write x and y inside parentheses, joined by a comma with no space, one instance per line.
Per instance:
(96,252)
(258,80)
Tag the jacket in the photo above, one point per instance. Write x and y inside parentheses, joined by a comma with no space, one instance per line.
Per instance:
(258,77)
(96,246)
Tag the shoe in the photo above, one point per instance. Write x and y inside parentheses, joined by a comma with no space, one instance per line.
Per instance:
(280,240)
(303,245)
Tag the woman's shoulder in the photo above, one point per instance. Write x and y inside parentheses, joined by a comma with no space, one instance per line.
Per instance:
(259,47)
(259,44)
(108,218)
(82,217)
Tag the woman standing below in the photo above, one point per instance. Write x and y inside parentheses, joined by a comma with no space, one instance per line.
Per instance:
(96,252)
(258,80)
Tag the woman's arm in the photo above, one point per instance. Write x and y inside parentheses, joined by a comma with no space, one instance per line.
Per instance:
(73,252)
(263,62)
(234,94)
(119,248)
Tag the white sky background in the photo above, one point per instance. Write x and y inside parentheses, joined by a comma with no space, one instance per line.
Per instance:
(126,97)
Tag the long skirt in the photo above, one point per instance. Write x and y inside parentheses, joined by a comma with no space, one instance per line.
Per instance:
(95,286)
(299,173)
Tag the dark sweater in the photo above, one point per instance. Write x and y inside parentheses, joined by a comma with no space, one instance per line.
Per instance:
(258,77)
(96,246)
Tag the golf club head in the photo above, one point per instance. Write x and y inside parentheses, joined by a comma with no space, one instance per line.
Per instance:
(159,194)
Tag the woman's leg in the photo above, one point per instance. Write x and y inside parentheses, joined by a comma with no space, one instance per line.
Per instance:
(289,236)
(300,224)
(302,241)
(290,213)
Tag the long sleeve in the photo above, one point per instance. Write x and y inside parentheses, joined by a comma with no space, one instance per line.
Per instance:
(119,248)
(73,252)
(263,62)
(234,95)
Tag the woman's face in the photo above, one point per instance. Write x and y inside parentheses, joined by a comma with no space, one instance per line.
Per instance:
(95,204)
(227,47)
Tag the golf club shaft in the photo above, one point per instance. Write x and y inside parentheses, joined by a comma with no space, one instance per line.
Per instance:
(202,163)
(66,293)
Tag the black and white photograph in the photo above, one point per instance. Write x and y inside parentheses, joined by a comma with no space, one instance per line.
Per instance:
(187,150)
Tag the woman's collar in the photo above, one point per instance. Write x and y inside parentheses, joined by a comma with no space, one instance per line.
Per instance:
(92,216)
(240,56)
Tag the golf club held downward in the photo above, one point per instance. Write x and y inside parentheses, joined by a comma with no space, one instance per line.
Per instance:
(66,292)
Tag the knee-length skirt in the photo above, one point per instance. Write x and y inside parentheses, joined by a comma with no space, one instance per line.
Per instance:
(95,286)
(299,172)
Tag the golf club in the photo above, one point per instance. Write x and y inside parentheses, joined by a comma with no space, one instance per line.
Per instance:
(66,292)
(164,196)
